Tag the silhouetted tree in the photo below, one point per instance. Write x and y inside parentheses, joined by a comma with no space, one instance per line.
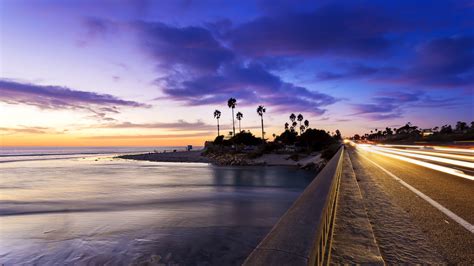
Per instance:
(239,116)
(287,126)
(315,139)
(338,135)
(232,102)
(446,129)
(260,111)
(461,126)
(217,115)
(245,138)
(292,117)
(287,137)
(306,123)
(302,129)
(293,126)
(300,118)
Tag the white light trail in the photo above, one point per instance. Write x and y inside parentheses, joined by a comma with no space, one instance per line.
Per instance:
(439,168)
(454,150)
(427,157)
(438,154)
(468,151)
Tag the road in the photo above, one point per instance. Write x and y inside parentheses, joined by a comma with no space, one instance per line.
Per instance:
(420,201)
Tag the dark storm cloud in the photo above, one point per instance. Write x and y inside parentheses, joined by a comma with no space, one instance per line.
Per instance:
(57,97)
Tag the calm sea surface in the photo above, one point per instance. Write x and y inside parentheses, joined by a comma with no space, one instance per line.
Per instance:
(82,206)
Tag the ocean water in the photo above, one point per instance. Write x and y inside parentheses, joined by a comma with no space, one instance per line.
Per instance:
(85,207)
(14,154)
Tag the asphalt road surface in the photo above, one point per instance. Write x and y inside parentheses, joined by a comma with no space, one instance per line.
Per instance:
(420,201)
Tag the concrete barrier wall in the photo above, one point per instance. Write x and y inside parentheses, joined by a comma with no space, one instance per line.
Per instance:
(303,234)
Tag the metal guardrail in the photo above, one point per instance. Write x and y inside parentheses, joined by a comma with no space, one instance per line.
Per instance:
(303,235)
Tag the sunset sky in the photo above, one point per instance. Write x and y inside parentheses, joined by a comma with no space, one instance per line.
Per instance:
(143,73)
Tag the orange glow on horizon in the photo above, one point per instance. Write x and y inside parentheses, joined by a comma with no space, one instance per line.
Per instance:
(70,141)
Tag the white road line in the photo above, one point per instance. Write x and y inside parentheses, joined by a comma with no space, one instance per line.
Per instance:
(469,227)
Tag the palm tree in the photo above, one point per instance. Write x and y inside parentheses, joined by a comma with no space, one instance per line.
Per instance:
(217,115)
(231,103)
(306,123)
(292,117)
(239,116)
(287,126)
(260,111)
(302,129)
(300,118)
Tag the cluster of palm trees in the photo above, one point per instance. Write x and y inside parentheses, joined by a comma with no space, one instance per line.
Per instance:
(294,124)
(232,103)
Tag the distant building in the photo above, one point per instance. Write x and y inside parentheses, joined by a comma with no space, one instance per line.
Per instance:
(427,132)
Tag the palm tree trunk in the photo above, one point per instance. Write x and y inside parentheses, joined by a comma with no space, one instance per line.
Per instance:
(300,128)
(218,133)
(233,123)
(263,134)
(240,130)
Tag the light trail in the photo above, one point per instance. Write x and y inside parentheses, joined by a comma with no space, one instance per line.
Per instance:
(468,151)
(447,170)
(429,158)
(454,150)
(439,154)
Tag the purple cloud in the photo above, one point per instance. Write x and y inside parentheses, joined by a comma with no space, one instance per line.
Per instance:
(57,97)
(442,62)
(393,104)
(24,129)
(201,70)
(336,29)
(180,125)
(162,136)
(191,48)
(357,71)
(251,84)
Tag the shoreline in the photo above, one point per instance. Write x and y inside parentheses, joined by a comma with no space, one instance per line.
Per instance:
(175,157)
(312,161)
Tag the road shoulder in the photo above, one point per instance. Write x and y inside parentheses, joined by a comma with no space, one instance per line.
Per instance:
(353,240)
